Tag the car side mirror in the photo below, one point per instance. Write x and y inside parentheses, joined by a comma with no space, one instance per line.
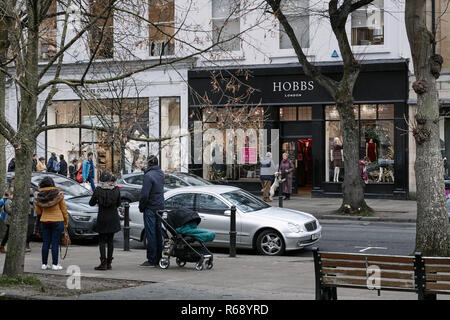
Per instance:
(227,212)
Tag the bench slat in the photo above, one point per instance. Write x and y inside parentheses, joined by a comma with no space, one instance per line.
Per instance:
(362,257)
(434,268)
(438,277)
(363,282)
(362,265)
(436,260)
(363,273)
(437,286)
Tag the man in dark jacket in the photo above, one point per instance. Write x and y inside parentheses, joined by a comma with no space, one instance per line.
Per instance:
(62,166)
(150,201)
(52,163)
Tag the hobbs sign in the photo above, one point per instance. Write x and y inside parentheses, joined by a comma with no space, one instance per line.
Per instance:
(293,88)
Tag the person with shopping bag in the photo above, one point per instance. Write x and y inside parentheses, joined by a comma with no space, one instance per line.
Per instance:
(89,171)
(51,207)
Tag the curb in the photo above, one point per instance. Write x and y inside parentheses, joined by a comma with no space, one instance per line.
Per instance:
(371,219)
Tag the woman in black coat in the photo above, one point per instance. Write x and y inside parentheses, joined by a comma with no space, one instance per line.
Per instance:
(107,196)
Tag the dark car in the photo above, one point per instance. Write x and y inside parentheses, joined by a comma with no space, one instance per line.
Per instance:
(82,217)
(131,183)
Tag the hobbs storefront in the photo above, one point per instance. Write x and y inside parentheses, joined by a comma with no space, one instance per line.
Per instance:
(279,109)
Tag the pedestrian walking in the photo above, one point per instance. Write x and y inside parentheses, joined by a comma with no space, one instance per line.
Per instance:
(51,208)
(73,169)
(41,167)
(31,221)
(89,171)
(12,165)
(52,164)
(62,166)
(6,216)
(286,170)
(267,175)
(35,162)
(150,201)
(107,197)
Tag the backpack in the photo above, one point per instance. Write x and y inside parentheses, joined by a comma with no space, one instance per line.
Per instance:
(56,166)
(79,176)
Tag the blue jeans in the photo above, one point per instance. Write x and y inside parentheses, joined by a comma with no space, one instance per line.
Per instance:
(91,181)
(153,233)
(51,235)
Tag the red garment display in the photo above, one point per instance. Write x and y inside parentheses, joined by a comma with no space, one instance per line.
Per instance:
(371,151)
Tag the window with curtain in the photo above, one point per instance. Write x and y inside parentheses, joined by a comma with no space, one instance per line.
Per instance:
(48,35)
(162,28)
(101,42)
(368,24)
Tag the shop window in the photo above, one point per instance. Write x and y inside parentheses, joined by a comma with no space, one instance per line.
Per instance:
(304,113)
(101,42)
(226,24)
(331,112)
(231,143)
(296,12)
(162,27)
(376,143)
(288,113)
(368,24)
(170,128)
(48,34)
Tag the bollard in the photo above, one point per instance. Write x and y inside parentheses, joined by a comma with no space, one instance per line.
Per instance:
(233,232)
(280,194)
(126,227)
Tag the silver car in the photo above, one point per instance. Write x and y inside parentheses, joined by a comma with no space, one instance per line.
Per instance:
(270,230)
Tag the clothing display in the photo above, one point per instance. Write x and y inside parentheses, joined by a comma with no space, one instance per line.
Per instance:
(371,151)
(337,156)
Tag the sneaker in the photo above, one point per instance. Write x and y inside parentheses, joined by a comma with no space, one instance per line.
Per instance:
(148,264)
(44,267)
(57,267)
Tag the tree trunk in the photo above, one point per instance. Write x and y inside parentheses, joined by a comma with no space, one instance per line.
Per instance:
(432,236)
(3,54)
(353,185)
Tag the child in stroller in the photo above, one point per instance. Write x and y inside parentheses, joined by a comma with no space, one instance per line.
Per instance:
(185,240)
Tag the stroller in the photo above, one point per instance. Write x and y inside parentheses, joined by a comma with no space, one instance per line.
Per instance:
(183,240)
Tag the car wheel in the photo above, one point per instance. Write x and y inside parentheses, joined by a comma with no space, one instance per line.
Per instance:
(270,243)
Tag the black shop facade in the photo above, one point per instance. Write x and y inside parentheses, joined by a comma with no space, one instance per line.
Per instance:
(279,109)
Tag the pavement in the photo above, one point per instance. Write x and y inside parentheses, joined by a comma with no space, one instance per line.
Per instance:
(325,208)
(244,277)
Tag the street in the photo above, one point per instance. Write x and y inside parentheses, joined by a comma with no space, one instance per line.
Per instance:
(343,236)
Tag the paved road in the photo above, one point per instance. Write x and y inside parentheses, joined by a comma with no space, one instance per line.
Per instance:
(343,236)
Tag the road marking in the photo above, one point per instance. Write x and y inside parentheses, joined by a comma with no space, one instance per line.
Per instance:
(369,248)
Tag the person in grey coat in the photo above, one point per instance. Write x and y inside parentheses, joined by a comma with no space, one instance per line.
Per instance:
(267,175)
(287,172)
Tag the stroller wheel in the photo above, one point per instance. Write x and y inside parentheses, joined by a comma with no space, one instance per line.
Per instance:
(199,266)
(180,262)
(209,264)
(164,263)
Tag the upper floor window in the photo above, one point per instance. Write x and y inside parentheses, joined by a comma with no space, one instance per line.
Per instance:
(162,27)
(226,24)
(102,32)
(296,12)
(48,34)
(368,24)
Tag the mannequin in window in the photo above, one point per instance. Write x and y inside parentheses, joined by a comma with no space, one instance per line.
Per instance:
(371,150)
(337,156)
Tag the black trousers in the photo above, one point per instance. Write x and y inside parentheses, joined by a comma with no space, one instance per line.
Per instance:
(5,238)
(106,240)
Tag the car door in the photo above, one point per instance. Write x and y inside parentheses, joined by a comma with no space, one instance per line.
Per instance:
(212,211)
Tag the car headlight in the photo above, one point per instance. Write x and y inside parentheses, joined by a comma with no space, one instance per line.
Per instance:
(78,217)
(296,228)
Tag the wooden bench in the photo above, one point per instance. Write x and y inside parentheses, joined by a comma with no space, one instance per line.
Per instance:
(426,276)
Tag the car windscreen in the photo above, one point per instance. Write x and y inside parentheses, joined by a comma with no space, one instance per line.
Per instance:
(69,187)
(193,180)
(245,201)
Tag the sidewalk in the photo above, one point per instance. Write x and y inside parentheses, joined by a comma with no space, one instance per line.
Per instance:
(243,277)
(325,208)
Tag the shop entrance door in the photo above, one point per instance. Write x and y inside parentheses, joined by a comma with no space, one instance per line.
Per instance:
(300,154)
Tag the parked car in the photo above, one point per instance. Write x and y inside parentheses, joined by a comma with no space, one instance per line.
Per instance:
(131,183)
(82,217)
(269,230)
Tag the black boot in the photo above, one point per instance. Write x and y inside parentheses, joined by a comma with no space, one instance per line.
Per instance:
(108,263)
(102,265)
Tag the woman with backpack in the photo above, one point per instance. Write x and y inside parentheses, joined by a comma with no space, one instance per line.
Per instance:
(107,197)
(51,207)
